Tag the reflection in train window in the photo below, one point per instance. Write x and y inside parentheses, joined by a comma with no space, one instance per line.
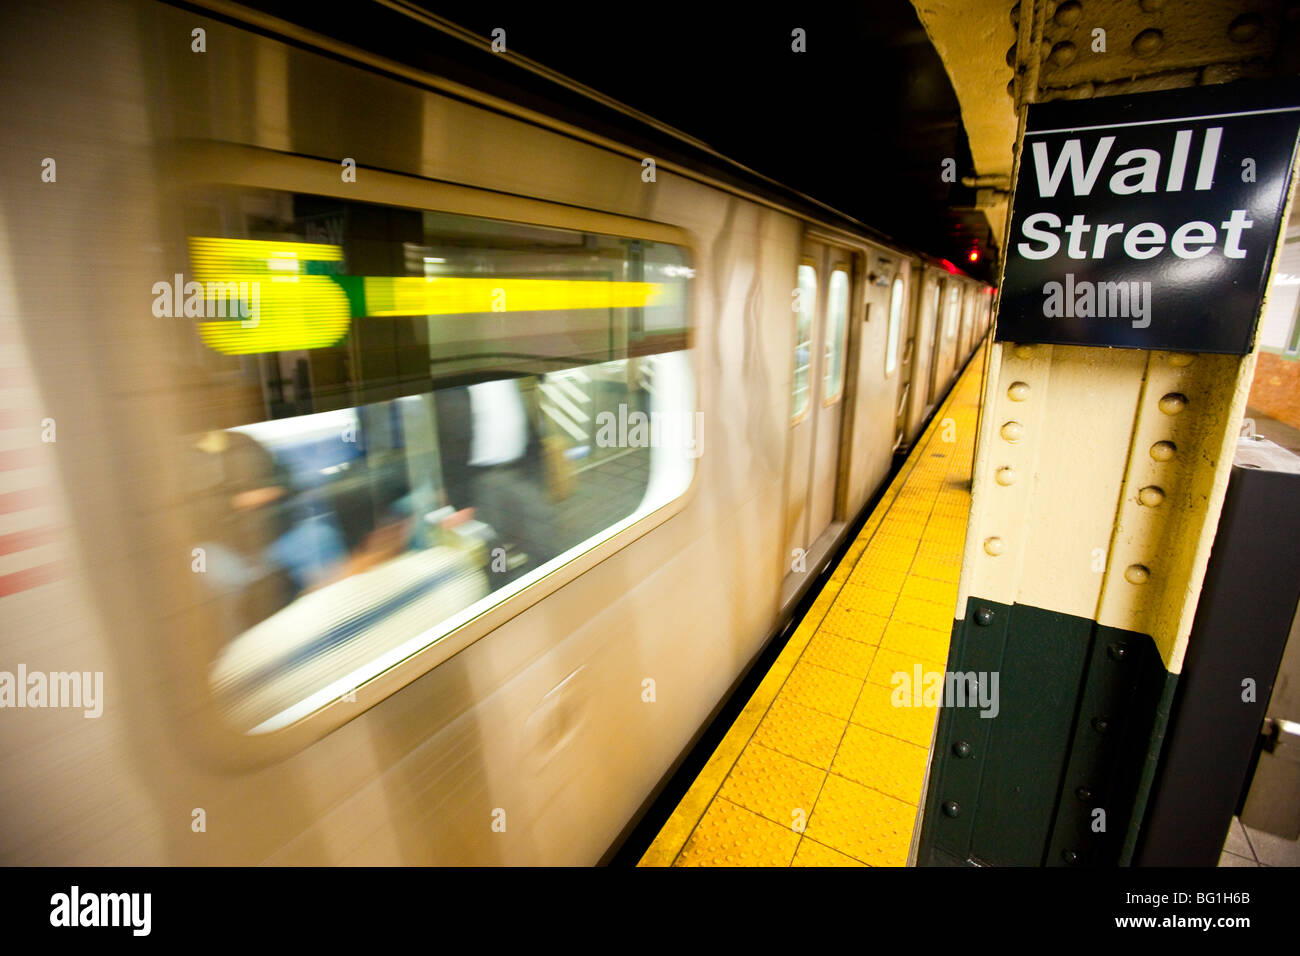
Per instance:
(806,308)
(895,326)
(837,328)
(954,306)
(407,417)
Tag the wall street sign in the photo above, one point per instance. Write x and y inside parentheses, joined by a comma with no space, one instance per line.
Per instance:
(1149,221)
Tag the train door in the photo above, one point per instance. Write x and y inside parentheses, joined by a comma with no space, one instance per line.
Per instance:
(967,322)
(934,344)
(917,353)
(945,338)
(899,346)
(871,417)
(824,283)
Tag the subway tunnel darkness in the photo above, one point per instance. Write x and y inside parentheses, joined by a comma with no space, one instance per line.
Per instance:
(863,121)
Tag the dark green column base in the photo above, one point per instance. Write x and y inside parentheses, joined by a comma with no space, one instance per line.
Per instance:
(1060,774)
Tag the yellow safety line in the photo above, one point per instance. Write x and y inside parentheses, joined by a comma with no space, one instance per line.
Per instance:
(776,782)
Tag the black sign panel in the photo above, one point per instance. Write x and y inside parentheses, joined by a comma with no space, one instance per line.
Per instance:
(1149,221)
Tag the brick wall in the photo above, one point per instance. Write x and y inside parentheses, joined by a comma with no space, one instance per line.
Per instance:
(1276,388)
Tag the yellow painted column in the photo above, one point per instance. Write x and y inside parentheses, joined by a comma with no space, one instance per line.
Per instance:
(1100,472)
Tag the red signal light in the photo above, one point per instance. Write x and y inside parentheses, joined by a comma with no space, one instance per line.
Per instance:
(974,255)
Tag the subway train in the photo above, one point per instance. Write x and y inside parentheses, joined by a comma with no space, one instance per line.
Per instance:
(394,470)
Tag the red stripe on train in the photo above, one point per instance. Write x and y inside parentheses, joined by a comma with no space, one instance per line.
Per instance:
(19,458)
(30,578)
(12,501)
(31,538)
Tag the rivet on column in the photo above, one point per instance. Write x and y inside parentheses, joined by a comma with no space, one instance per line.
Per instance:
(1163,450)
(1245,28)
(1006,476)
(1151,496)
(1063,54)
(1136,574)
(1018,391)
(1148,42)
(1013,431)
(994,546)
(1173,403)
(1068,13)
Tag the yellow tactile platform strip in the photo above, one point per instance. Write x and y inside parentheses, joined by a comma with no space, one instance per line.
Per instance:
(821,768)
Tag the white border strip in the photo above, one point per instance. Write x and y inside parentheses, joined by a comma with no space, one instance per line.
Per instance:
(1176,119)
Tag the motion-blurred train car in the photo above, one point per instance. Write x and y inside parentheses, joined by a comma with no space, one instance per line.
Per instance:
(390,471)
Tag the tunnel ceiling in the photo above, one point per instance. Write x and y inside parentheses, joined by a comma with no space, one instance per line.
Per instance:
(862,120)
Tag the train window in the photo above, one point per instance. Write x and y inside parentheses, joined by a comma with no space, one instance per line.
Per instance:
(954,307)
(895,326)
(837,330)
(806,309)
(404,418)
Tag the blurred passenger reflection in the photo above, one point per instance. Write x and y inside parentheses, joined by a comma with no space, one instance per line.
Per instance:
(492,463)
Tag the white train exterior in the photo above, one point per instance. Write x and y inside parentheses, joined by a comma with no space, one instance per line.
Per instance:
(534,728)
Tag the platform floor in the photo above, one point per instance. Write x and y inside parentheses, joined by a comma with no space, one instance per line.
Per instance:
(821,768)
